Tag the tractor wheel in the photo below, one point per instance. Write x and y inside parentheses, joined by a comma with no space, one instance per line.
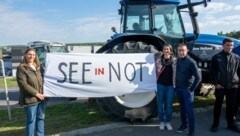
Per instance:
(132,106)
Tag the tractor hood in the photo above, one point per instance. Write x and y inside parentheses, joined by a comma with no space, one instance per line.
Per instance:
(212,39)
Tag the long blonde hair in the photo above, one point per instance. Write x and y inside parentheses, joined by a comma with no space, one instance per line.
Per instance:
(36,60)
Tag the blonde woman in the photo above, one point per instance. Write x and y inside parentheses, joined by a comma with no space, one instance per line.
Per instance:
(29,79)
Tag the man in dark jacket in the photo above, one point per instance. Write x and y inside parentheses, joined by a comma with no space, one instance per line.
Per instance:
(186,80)
(225,66)
(237,104)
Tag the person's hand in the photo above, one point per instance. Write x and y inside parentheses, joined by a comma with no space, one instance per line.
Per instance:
(218,86)
(190,91)
(40,96)
(235,86)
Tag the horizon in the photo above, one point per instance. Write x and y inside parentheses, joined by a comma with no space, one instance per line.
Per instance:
(23,21)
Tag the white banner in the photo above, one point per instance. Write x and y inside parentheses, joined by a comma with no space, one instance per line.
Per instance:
(98,75)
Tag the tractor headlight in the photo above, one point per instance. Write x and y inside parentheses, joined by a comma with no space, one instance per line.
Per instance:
(200,64)
(205,65)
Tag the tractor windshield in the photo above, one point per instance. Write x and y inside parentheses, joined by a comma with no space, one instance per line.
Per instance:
(166,21)
(138,18)
(160,19)
(57,49)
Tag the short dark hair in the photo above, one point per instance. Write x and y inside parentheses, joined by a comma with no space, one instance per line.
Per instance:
(182,44)
(227,40)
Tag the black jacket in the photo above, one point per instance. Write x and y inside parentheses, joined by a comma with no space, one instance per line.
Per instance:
(187,74)
(224,69)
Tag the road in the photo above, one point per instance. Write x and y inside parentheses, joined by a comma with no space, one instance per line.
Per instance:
(13,94)
(203,124)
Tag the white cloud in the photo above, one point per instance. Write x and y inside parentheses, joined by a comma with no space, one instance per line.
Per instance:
(213,24)
(216,17)
(237,7)
(17,27)
(214,7)
(94,29)
(210,21)
(21,27)
(4,7)
(100,24)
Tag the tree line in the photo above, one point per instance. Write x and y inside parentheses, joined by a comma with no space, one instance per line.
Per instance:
(233,34)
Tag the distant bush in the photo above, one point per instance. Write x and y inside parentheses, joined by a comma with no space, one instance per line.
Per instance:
(86,44)
(233,34)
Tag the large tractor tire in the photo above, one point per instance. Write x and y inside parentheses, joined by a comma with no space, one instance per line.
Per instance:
(132,106)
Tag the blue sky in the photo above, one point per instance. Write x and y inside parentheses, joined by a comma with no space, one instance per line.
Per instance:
(74,21)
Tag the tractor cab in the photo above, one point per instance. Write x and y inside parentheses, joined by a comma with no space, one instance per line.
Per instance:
(153,18)
(161,18)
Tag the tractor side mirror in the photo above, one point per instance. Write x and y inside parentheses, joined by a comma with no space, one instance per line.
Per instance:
(114,29)
(205,2)
(190,4)
(120,11)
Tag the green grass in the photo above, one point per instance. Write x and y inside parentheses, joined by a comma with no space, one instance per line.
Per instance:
(69,116)
(11,82)
(199,102)
(59,118)
(204,101)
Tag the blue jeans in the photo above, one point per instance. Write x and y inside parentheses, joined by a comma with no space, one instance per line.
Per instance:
(35,116)
(186,99)
(165,97)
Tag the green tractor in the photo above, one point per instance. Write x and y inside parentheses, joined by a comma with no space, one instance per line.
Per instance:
(145,26)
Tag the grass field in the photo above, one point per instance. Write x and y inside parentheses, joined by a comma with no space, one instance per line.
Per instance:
(69,116)
(11,82)
(59,118)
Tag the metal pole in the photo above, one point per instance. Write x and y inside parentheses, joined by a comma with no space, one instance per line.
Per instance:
(6,90)
(92,49)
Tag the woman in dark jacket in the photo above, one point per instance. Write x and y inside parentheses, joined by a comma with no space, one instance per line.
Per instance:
(29,79)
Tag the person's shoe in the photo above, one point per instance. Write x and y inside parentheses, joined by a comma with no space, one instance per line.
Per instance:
(234,128)
(234,118)
(214,128)
(191,133)
(182,128)
(169,127)
(161,126)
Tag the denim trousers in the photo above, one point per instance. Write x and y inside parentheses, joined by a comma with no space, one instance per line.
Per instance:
(35,117)
(186,99)
(165,98)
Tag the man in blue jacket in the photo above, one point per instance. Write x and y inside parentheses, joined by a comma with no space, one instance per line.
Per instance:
(186,80)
